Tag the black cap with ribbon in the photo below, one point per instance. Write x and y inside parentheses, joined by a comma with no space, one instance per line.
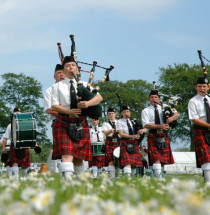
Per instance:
(125,107)
(154,92)
(202,80)
(111,109)
(68,59)
(58,67)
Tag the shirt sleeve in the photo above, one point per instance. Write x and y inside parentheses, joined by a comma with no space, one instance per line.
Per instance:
(192,110)
(104,126)
(7,133)
(47,99)
(119,126)
(54,97)
(145,117)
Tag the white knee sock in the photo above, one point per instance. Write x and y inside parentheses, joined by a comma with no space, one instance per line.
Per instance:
(9,171)
(58,166)
(15,171)
(117,172)
(79,169)
(95,171)
(206,168)
(24,172)
(127,171)
(133,170)
(111,171)
(100,169)
(157,170)
(67,169)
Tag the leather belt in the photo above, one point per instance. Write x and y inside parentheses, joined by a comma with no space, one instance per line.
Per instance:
(128,139)
(198,127)
(157,131)
(113,139)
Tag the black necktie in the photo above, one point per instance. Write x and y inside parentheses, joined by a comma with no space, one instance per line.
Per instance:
(97,134)
(129,128)
(113,125)
(73,96)
(206,104)
(157,117)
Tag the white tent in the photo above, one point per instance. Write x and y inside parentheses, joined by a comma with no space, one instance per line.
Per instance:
(185,162)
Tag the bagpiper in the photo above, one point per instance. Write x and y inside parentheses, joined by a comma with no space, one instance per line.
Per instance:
(199,115)
(112,140)
(159,149)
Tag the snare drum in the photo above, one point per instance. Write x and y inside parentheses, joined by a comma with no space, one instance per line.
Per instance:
(98,148)
(23,130)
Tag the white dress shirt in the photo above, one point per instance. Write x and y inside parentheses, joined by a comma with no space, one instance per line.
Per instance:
(196,108)
(107,127)
(93,134)
(148,115)
(47,101)
(8,143)
(8,133)
(61,92)
(122,125)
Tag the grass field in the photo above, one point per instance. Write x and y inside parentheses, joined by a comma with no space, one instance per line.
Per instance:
(47,194)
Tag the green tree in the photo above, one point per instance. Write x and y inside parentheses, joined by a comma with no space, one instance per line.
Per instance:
(42,157)
(180,79)
(4,115)
(132,92)
(19,90)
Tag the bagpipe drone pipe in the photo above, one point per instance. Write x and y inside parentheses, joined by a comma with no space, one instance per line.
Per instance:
(205,73)
(85,93)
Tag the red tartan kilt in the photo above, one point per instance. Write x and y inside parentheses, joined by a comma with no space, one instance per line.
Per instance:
(130,159)
(24,163)
(202,149)
(63,145)
(165,156)
(98,161)
(109,148)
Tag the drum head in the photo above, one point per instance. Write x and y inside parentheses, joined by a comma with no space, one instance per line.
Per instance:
(116,152)
(23,130)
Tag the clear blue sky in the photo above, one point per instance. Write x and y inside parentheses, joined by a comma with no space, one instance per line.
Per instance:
(136,36)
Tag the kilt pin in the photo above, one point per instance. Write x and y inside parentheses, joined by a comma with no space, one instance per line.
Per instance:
(63,145)
(165,156)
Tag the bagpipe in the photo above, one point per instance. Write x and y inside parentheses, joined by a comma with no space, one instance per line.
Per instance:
(202,62)
(85,93)
(169,107)
(201,57)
